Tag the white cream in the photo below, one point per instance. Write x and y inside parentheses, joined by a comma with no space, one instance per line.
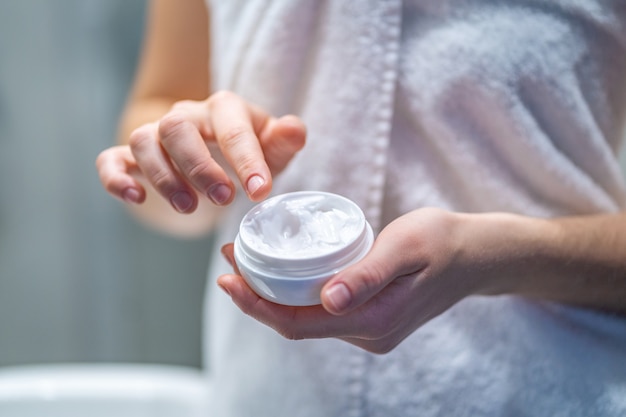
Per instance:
(301,226)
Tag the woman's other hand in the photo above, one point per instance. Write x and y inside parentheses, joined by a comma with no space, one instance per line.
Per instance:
(424,262)
(416,270)
(174,156)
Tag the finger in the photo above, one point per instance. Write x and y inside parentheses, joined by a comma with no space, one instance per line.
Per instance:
(235,125)
(358,283)
(291,322)
(281,139)
(159,171)
(182,133)
(115,166)
(228,252)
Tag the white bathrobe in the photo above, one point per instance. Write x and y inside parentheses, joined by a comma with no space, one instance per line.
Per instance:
(467,105)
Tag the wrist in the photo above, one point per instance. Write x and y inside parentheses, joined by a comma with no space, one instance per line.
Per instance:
(508,253)
(574,260)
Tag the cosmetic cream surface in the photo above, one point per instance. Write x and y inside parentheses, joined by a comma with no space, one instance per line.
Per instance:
(303,226)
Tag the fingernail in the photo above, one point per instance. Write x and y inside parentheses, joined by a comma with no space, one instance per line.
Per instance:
(130,195)
(254,183)
(220,193)
(339,296)
(182,201)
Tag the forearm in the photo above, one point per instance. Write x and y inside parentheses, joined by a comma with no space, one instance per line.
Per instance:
(575,260)
(173,67)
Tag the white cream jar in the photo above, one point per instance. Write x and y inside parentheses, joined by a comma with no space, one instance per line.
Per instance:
(289,245)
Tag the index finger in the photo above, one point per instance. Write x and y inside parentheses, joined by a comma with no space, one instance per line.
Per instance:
(236,125)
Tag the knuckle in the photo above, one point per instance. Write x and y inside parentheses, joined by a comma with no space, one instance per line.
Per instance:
(372,276)
(199,169)
(171,124)
(220,97)
(183,104)
(244,165)
(162,180)
(234,135)
(140,137)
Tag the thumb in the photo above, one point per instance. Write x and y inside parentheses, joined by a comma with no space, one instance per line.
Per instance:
(360,282)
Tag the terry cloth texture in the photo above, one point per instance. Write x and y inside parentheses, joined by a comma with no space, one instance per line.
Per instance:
(473,105)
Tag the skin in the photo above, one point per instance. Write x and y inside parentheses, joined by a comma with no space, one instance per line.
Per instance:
(178,144)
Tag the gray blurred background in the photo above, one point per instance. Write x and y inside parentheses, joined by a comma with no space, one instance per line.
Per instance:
(79,279)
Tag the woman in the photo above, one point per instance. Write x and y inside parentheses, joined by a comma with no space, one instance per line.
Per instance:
(479,138)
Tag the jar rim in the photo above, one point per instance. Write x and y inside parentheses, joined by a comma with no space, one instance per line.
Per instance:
(281,267)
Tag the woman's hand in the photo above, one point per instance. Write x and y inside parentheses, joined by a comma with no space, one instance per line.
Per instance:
(416,270)
(173,156)
(427,260)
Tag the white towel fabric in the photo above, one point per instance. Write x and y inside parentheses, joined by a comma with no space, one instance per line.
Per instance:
(469,105)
